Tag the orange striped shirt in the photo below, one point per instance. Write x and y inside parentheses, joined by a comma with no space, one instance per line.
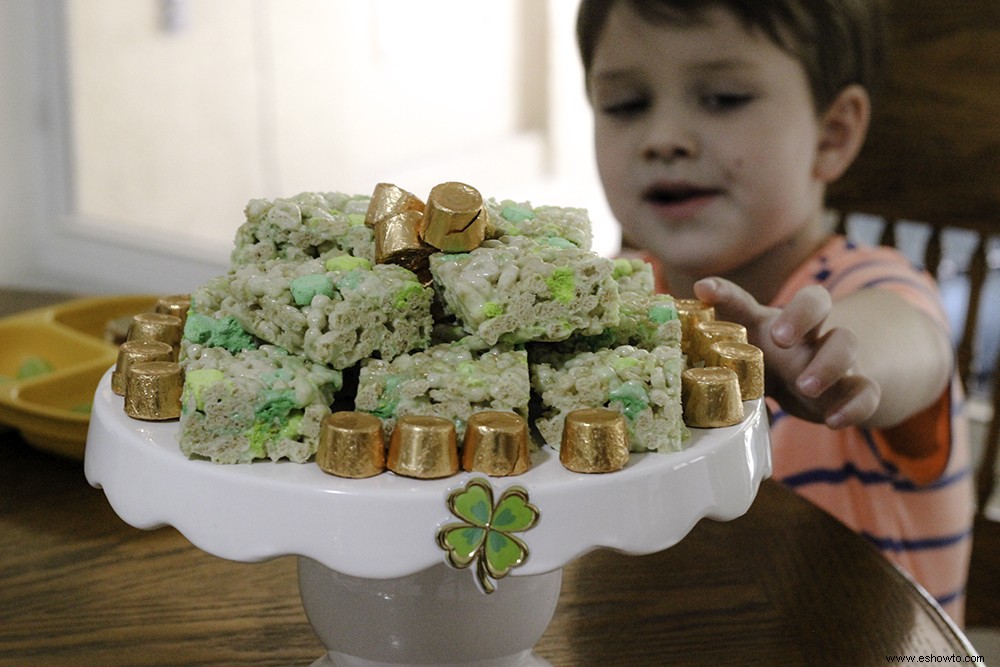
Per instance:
(916,511)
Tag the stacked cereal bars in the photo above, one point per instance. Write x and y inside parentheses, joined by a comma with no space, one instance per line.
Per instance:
(331,301)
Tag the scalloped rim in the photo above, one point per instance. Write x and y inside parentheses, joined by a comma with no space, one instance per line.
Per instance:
(385,526)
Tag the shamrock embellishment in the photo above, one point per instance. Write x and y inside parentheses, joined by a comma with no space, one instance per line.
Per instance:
(486,534)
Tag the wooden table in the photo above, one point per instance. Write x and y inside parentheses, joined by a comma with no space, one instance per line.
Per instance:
(784,584)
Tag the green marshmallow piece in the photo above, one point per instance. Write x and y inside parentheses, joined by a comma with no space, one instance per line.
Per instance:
(562,284)
(225,333)
(556,242)
(347,263)
(661,314)
(516,214)
(304,288)
(197,380)
(633,397)
(623,267)
(492,309)
(623,363)
(404,295)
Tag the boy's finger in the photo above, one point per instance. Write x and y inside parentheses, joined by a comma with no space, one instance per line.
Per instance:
(731,301)
(835,355)
(858,399)
(807,310)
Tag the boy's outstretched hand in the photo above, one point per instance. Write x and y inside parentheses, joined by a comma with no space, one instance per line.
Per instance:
(809,365)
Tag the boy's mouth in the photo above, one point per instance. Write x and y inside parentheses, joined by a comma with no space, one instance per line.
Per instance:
(666,195)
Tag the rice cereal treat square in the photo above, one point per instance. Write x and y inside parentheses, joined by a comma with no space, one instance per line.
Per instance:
(307,226)
(206,299)
(645,321)
(648,321)
(449,380)
(634,276)
(519,289)
(643,385)
(256,404)
(510,218)
(334,312)
(206,326)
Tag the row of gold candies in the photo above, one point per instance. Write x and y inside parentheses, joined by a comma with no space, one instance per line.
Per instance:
(352,444)
(723,370)
(147,373)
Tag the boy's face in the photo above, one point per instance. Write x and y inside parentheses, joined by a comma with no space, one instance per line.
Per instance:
(706,137)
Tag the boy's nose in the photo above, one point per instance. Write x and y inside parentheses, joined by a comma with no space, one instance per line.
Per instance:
(669,140)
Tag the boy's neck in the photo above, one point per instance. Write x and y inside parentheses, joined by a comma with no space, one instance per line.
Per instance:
(763,275)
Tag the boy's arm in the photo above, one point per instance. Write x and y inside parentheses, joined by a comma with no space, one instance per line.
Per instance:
(870,359)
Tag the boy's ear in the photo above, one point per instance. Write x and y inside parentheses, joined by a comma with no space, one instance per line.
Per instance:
(842,130)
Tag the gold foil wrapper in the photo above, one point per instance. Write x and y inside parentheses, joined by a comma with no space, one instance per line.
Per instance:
(136,352)
(711,397)
(351,444)
(389,200)
(455,219)
(746,360)
(177,305)
(594,440)
(423,446)
(157,326)
(153,390)
(708,333)
(496,444)
(691,312)
(397,241)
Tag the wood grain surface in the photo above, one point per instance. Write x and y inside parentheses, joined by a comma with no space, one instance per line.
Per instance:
(784,584)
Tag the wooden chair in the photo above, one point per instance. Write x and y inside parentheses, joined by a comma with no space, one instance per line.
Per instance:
(933,158)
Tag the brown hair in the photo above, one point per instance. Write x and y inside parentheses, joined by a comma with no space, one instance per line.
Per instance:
(838,42)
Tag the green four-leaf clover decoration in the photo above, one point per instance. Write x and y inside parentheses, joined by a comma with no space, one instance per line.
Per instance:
(485,536)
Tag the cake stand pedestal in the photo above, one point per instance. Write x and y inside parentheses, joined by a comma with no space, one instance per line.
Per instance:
(386,574)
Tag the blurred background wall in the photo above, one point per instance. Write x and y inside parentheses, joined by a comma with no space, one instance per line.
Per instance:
(16,119)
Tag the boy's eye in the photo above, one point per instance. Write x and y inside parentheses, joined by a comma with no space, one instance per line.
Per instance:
(624,107)
(725,101)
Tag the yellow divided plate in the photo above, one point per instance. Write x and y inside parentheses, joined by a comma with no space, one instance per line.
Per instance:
(51,360)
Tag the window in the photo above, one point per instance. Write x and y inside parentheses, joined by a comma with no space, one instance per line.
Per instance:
(175,112)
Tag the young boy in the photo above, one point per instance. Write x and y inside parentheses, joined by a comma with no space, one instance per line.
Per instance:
(718,125)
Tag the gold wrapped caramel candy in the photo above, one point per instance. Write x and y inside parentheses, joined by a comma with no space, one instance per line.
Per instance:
(176,305)
(423,446)
(594,440)
(136,352)
(351,444)
(397,241)
(455,219)
(711,397)
(153,390)
(157,326)
(496,443)
(690,312)
(389,200)
(708,333)
(746,360)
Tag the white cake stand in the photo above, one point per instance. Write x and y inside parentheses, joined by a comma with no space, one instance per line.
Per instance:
(376,580)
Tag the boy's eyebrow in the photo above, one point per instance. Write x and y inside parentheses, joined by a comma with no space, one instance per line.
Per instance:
(724,65)
(700,67)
